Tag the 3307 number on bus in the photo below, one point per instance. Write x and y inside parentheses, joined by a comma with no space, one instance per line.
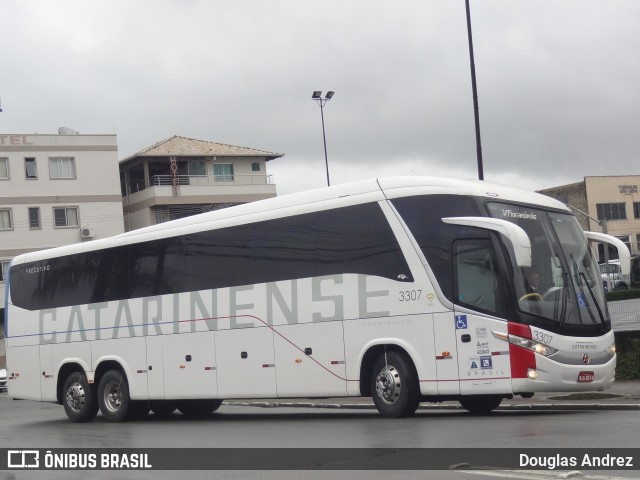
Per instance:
(409,295)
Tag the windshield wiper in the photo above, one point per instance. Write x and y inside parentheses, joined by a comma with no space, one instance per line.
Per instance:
(593,297)
(565,297)
(579,279)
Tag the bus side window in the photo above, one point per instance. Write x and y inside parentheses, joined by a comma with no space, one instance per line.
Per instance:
(476,277)
(423,216)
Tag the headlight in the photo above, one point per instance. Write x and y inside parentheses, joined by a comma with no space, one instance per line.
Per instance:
(612,350)
(529,344)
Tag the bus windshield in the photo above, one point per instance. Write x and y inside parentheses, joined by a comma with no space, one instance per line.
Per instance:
(563,284)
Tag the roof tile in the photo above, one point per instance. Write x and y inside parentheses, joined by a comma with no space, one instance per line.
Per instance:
(190,147)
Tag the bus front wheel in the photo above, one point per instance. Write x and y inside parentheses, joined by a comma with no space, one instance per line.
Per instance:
(394,386)
(113,396)
(79,400)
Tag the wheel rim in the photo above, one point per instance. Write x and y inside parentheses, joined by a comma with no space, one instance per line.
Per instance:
(388,385)
(112,396)
(75,397)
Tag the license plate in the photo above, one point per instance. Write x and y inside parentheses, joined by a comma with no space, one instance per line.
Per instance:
(585,377)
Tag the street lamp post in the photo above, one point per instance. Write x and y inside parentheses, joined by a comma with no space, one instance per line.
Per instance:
(474,89)
(317,96)
(602,223)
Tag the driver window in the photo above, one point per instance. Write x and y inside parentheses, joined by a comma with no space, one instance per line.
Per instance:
(477,281)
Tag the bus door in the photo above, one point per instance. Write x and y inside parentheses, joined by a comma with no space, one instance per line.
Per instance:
(445,344)
(483,359)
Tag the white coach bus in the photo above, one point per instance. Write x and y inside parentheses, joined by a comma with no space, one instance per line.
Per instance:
(407,290)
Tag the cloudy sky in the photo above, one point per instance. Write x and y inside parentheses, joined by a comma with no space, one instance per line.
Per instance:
(558,82)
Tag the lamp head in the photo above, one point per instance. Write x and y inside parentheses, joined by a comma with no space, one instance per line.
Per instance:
(316,95)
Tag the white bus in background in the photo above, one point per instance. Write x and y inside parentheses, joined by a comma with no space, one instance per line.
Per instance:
(407,290)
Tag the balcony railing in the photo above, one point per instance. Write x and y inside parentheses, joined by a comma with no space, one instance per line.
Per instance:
(199,180)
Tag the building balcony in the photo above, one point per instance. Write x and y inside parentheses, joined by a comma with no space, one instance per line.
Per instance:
(198,180)
(220,186)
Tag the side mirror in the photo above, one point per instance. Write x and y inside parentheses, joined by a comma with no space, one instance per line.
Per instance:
(623,251)
(516,235)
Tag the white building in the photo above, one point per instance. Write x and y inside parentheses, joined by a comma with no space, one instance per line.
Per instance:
(180,176)
(56,190)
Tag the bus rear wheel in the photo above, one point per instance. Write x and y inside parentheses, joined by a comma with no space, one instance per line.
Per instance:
(113,396)
(79,400)
(198,408)
(394,386)
(480,404)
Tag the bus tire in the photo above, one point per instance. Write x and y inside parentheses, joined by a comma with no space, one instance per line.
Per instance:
(113,396)
(79,399)
(394,386)
(480,404)
(198,408)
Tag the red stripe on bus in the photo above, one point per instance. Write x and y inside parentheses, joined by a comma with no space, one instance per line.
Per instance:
(521,359)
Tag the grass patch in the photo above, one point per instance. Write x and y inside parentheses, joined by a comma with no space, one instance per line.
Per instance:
(614,295)
(628,365)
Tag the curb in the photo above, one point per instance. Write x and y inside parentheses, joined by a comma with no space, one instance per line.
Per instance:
(507,407)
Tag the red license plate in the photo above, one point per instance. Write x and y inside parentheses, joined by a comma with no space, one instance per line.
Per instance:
(585,377)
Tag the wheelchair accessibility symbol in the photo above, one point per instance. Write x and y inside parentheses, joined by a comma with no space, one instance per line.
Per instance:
(581,300)
(485,363)
(461,322)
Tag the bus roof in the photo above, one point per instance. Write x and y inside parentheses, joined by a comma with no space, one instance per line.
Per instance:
(302,202)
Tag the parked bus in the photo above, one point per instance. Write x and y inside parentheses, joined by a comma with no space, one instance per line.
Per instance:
(406,290)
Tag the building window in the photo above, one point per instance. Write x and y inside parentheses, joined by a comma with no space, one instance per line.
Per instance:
(612,251)
(223,172)
(30,168)
(5,219)
(197,167)
(4,270)
(62,167)
(162,214)
(4,169)
(34,218)
(626,239)
(255,167)
(611,211)
(65,217)
(636,209)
